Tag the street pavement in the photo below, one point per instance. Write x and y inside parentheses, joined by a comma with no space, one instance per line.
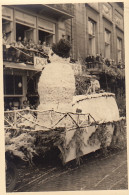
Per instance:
(96,172)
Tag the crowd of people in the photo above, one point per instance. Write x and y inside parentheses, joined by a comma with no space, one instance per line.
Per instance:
(24,50)
(12,105)
(97,61)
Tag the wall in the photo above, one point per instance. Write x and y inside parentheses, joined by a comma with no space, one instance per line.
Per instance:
(79,31)
(106,15)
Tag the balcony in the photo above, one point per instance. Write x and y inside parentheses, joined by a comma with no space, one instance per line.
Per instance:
(65,9)
(55,11)
(35,57)
(25,57)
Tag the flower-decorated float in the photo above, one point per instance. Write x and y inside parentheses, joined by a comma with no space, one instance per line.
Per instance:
(89,120)
(76,124)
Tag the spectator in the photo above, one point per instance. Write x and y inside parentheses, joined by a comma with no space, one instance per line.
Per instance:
(10,106)
(46,49)
(97,58)
(19,43)
(39,46)
(44,45)
(101,58)
(31,44)
(90,61)
(93,61)
(5,47)
(26,104)
(5,39)
(12,52)
(24,42)
(107,61)
(87,61)
(113,62)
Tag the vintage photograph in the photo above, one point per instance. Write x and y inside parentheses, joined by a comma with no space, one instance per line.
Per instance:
(64,97)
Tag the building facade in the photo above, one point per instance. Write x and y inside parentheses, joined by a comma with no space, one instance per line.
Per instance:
(91,28)
(46,23)
(99,28)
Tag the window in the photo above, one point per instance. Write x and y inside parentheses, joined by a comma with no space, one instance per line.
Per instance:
(68,38)
(24,31)
(92,40)
(45,37)
(107,44)
(13,85)
(46,31)
(119,49)
(25,26)
(91,27)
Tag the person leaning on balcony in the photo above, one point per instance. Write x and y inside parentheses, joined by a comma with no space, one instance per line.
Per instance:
(93,61)
(45,47)
(5,47)
(46,50)
(5,39)
(24,42)
(12,51)
(87,61)
(31,44)
(94,85)
(18,45)
(100,60)
(39,46)
(107,62)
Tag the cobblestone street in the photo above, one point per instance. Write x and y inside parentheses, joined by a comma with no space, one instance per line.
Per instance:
(96,172)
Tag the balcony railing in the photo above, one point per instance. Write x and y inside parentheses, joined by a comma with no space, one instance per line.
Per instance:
(39,57)
(16,54)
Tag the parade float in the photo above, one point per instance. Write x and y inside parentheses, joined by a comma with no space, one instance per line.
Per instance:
(75,124)
(88,120)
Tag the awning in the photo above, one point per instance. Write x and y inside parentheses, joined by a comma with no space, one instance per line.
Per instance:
(21,66)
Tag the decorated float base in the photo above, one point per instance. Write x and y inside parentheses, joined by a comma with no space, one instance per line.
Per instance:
(80,142)
(76,133)
(95,130)
(88,124)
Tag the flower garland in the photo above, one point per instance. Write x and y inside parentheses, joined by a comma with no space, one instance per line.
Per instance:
(119,140)
(26,144)
(114,72)
(77,141)
(46,140)
(101,135)
(94,96)
(21,144)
